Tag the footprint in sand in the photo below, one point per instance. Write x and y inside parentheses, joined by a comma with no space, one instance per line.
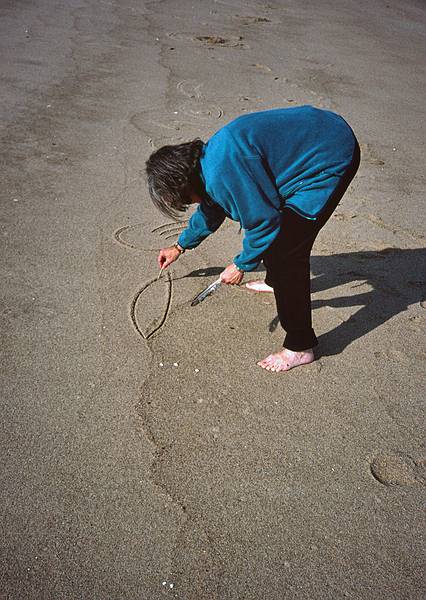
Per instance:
(398,469)
(370,155)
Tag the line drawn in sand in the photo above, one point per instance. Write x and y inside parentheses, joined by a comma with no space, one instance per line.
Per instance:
(167,125)
(190,88)
(157,323)
(196,105)
(138,237)
(177,122)
(211,41)
(167,227)
(154,236)
(250,19)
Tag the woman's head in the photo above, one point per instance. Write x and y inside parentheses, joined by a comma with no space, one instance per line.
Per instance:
(173,174)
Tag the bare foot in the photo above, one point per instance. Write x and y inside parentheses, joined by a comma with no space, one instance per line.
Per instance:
(286,360)
(259,286)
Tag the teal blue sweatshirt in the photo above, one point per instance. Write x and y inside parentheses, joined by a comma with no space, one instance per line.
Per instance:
(263,162)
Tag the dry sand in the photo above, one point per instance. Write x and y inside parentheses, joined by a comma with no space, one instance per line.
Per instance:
(143,453)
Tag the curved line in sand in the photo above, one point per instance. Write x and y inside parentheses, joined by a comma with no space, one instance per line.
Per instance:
(169,284)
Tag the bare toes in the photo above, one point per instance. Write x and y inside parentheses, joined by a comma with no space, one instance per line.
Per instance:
(270,363)
(282,367)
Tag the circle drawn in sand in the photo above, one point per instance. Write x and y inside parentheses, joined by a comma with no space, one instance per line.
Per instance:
(196,106)
(190,88)
(202,111)
(142,237)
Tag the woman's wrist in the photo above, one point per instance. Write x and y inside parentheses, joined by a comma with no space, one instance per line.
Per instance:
(179,248)
(238,268)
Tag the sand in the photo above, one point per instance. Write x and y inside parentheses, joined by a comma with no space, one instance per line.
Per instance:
(144,455)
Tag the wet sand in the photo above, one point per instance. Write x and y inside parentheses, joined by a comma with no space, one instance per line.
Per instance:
(144,455)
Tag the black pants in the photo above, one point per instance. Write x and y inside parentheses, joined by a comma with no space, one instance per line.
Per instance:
(287,263)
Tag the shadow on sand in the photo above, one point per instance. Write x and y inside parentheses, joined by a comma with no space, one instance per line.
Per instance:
(395,280)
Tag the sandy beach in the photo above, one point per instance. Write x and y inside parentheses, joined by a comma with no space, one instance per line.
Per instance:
(144,455)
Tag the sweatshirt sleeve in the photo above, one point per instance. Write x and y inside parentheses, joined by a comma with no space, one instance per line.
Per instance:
(256,241)
(205,220)
(255,202)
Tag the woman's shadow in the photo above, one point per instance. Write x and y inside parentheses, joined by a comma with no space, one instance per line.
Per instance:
(396,278)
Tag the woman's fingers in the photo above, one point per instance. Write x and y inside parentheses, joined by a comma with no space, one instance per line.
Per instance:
(165,263)
(162,260)
(231,277)
(167,256)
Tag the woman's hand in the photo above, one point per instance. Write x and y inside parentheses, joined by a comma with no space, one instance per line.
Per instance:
(167,256)
(231,275)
